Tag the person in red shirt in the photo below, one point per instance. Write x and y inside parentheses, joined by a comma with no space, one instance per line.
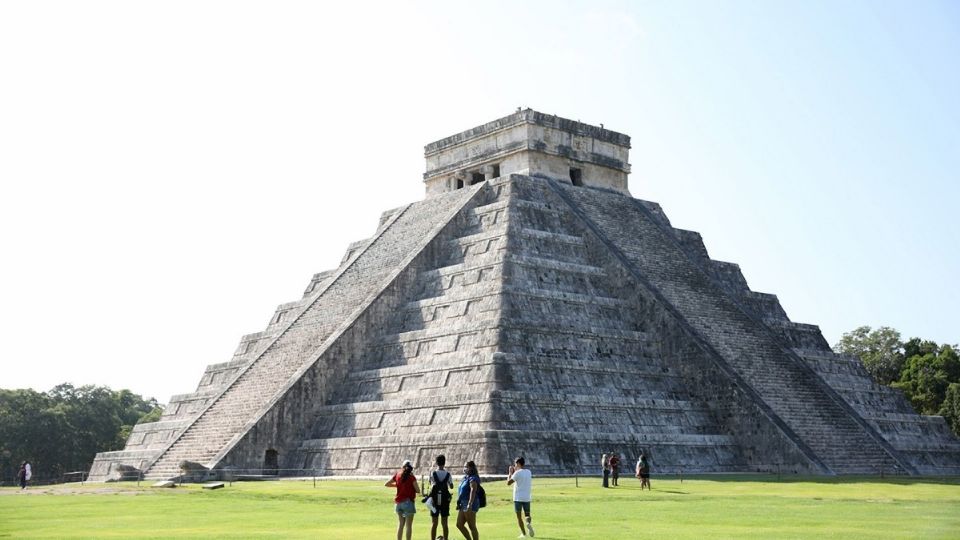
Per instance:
(615,469)
(407,490)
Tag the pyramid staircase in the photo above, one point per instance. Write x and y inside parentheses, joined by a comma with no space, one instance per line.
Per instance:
(230,415)
(526,316)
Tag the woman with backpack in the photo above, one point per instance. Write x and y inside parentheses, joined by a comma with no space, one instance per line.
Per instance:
(441,482)
(407,489)
(469,498)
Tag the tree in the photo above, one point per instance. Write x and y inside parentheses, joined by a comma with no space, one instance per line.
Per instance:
(152,416)
(880,350)
(29,430)
(950,410)
(61,430)
(927,374)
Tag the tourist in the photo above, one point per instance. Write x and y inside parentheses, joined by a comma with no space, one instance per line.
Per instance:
(441,482)
(605,464)
(643,471)
(614,469)
(468,501)
(407,489)
(23,475)
(521,480)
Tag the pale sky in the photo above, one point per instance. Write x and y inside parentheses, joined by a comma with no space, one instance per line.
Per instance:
(170,172)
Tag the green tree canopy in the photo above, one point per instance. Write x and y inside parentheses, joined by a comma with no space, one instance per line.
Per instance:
(61,430)
(880,350)
(927,373)
(950,410)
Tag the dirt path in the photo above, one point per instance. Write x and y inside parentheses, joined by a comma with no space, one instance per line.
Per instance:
(75,489)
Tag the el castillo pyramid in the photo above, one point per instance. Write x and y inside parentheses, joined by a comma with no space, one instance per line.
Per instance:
(530,305)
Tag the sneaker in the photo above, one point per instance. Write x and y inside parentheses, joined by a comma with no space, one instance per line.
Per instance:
(530,529)
(522,535)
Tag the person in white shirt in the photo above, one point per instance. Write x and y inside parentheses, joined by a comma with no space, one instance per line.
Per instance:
(521,480)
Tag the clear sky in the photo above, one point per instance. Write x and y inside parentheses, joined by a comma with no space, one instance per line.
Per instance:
(172,171)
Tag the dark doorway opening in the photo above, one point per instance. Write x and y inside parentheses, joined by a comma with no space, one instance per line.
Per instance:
(271,462)
(476,178)
(496,171)
(459,183)
(576,176)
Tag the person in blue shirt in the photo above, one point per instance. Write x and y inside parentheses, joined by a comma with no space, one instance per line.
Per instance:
(468,501)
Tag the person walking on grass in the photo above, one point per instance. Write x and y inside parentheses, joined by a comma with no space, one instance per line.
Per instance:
(605,465)
(407,489)
(643,471)
(468,502)
(22,475)
(522,481)
(441,482)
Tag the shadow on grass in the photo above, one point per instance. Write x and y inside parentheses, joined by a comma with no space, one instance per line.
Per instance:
(637,488)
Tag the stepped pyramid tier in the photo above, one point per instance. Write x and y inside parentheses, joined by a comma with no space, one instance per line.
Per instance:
(530,305)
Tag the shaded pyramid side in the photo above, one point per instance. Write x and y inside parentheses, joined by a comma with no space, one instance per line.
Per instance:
(596,364)
(808,409)
(924,442)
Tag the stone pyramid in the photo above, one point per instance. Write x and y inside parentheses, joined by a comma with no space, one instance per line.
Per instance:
(529,305)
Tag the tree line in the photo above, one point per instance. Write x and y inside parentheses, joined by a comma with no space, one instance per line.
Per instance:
(62,429)
(927,373)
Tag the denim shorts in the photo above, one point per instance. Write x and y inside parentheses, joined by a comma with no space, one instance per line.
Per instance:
(521,505)
(462,505)
(406,508)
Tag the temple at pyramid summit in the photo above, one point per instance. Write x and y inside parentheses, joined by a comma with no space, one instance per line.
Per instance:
(529,305)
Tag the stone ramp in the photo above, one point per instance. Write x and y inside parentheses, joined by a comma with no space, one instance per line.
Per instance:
(818,421)
(227,417)
(926,442)
(427,366)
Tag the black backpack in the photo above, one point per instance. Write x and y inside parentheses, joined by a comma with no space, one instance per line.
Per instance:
(481,496)
(440,492)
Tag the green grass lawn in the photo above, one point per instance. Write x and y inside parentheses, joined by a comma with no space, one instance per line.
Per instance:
(710,507)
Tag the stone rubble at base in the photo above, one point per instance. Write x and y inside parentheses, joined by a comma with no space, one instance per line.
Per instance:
(530,306)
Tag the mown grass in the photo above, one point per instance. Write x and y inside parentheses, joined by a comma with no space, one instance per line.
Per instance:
(709,507)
